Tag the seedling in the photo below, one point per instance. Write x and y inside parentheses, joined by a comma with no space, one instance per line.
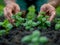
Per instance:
(18,19)
(30,24)
(57,26)
(42,18)
(35,38)
(1,14)
(2,32)
(6,25)
(31,14)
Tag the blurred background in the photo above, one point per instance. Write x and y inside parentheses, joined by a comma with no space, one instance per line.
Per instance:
(2,5)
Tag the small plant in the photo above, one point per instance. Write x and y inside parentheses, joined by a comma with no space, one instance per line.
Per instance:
(2,32)
(31,14)
(35,38)
(43,22)
(30,24)
(6,25)
(57,26)
(18,19)
(1,14)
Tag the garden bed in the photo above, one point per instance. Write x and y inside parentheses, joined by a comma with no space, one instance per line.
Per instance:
(16,34)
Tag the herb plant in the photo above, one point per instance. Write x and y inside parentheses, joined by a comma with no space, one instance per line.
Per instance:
(2,32)
(35,38)
(31,13)
(7,27)
(57,26)
(30,24)
(18,19)
(43,22)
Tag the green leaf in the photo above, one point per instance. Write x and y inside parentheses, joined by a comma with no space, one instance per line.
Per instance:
(27,27)
(34,24)
(36,33)
(40,17)
(47,17)
(17,24)
(2,32)
(34,44)
(57,26)
(1,23)
(31,9)
(19,13)
(13,17)
(42,13)
(48,23)
(35,39)
(43,39)
(9,26)
(31,16)
(5,22)
(43,19)
(26,39)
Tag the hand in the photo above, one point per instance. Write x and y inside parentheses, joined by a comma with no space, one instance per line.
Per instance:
(50,10)
(9,10)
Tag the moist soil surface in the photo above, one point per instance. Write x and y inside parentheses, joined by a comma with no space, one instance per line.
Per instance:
(16,34)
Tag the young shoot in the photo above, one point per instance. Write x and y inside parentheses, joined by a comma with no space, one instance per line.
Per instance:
(35,38)
(42,18)
(18,19)
(31,13)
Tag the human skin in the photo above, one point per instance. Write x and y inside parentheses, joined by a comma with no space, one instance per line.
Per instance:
(12,7)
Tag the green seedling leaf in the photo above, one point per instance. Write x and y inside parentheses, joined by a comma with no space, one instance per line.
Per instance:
(47,17)
(1,23)
(34,44)
(5,23)
(48,23)
(43,39)
(31,16)
(26,39)
(18,19)
(36,33)
(9,26)
(40,17)
(43,19)
(2,32)
(19,13)
(42,13)
(35,39)
(17,24)
(27,27)
(32,8)
(29,24)
(57,26)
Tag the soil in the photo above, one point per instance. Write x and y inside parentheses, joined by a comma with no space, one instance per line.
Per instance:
(15,35)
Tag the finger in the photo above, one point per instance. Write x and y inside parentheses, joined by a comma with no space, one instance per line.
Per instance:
(42,9)
(17,9)
(8,14)
(52,16)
